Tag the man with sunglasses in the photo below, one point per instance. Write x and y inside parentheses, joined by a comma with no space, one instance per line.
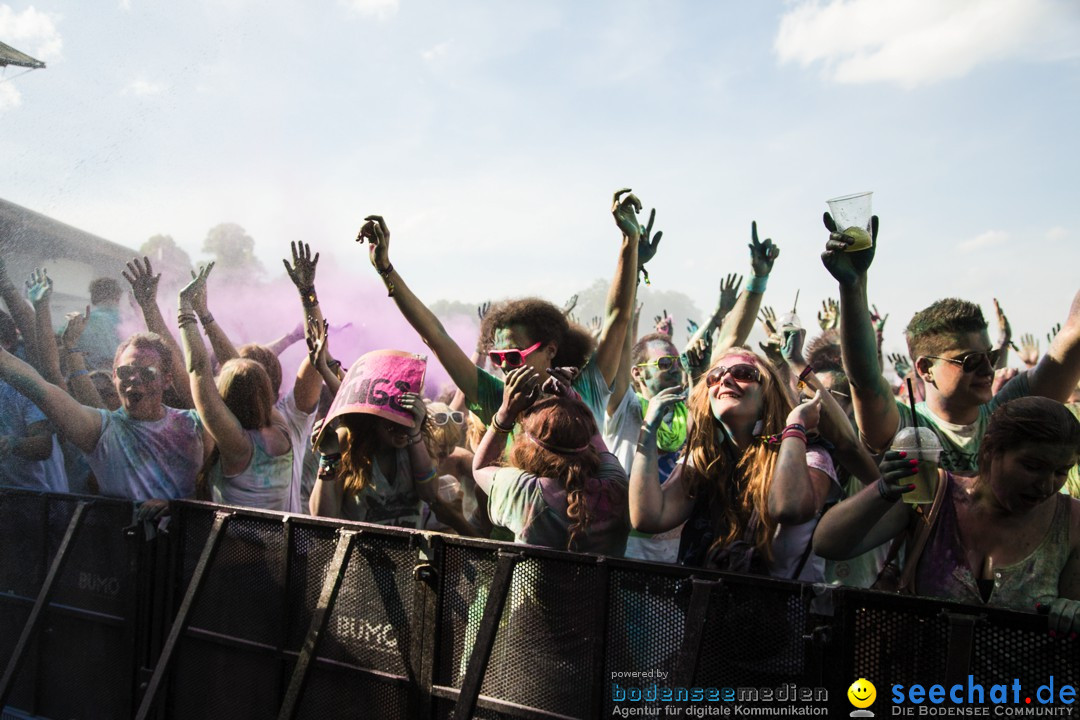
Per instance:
(144,451)
(953,356)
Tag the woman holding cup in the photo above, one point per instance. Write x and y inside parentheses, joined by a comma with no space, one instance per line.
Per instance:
(1006,537)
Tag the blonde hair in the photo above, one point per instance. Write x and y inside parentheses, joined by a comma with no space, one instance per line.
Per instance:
(737,486)
(443,438)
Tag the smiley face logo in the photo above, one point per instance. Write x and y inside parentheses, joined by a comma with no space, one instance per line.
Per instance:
(862,693)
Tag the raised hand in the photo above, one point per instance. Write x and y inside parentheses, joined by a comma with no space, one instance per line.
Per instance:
(195,289)
(762,254)
(768,320)
(413,404)
(1053,333)
(316,338)
(625,210)
(1001,377)
(143,282)
(647,248)
(847,267)
(520,391)
(661,404)
(773,348)
(793,341)
(807,414)
(561,382)
(901,364)
(595,326)
(76,323)
(483,308)
(729,292)
(877,319)
(569,306)
(1029,350)
(1004,328)
(39,286)
(697,357)
(664,324)
(829,315)
(691,327)
(302,270)
(374,230)
(199,300)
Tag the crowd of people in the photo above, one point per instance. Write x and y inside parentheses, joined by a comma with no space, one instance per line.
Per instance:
(783,460)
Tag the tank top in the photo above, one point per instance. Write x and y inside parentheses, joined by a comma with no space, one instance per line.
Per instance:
(265,483)
(943,569)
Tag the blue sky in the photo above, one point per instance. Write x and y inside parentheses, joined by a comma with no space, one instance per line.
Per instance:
(491,134)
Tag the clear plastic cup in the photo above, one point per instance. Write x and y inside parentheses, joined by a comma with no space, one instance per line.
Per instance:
(927,450)
(852,214)
(790,321)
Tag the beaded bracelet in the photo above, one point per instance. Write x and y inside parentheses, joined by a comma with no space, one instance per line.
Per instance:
(499,428)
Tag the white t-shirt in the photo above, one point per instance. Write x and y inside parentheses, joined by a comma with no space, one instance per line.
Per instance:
(299,424)
(148,459)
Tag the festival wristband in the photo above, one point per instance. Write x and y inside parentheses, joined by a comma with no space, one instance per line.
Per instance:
(206,319)
(887,493)
(806,371)
(308,297)
(757,283)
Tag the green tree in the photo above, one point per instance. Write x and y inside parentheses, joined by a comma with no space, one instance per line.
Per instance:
(166,256)
(233,250)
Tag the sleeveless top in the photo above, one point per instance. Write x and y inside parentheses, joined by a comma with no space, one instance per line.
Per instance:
(265,483)
(943,569)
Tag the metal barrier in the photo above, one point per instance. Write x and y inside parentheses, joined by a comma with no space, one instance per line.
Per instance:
(250,614)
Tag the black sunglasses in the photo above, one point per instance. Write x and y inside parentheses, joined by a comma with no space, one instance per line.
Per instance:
(972,361)
(743,372)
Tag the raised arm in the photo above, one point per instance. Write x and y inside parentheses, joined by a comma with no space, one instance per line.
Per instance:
(620,299)
(318,343)
(144,285)
(287,340)
(80,424)
(1058,370)
(18,308)
(1004,341)
(79,384)
(797,491)
(738,324)
(520,391)
(654,508)
(223,348)
(872,398)
(302,272)
(461,369)
(729,294)
(622,377)
(39,291)
(232,442)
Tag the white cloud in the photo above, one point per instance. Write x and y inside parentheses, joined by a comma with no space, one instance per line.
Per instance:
(32,31)
(436,52)
(376,8)
(988,239)
(9,97)
(919,42)
(144,87)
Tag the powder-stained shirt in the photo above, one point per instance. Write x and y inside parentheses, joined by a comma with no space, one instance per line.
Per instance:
(17,414)
(298,424)
(535,509)
(148,459)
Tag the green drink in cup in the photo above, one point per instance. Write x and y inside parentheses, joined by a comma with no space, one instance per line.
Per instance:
(852,214)
(923,445)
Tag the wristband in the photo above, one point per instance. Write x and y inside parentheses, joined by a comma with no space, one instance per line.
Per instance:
(308,297)
(385,273)
(184,319)
(757,283)
(793,434)
(499,428)
(806,371)
(429,478)
(887,493)
(206,319)
(77,373)
(413,439)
